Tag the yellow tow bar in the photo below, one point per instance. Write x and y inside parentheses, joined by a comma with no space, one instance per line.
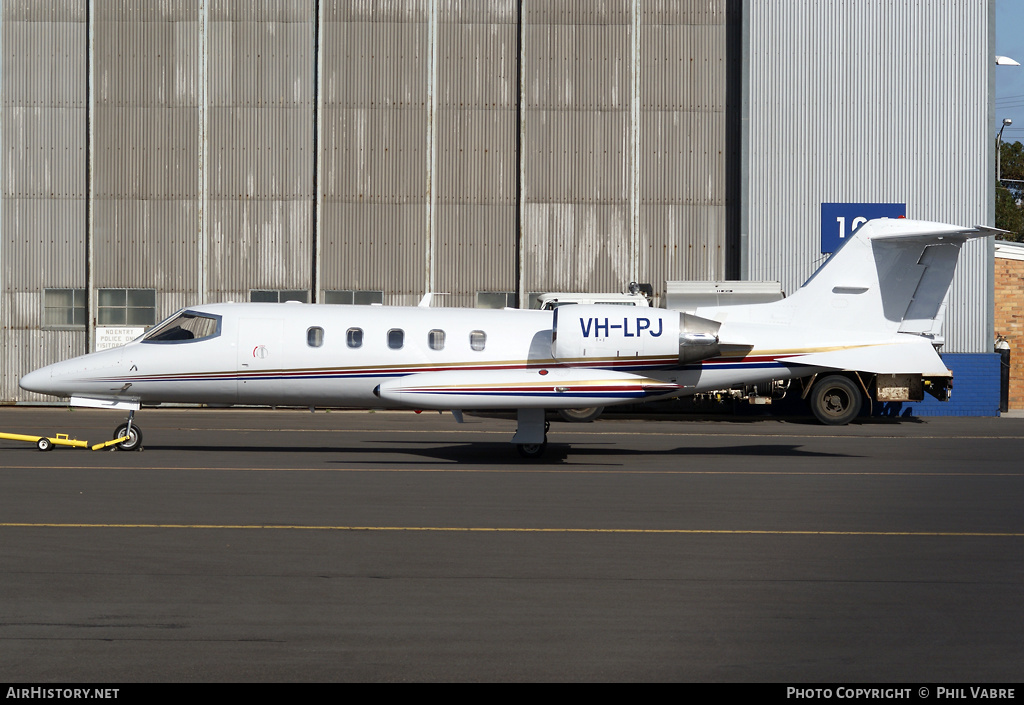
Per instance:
(60,439)
(107,444)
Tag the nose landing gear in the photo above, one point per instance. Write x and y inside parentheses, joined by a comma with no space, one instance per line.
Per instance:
(131,433)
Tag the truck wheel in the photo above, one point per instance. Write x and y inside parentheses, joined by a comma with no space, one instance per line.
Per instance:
(835,400)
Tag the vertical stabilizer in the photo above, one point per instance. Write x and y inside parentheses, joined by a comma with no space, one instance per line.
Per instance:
(891,276)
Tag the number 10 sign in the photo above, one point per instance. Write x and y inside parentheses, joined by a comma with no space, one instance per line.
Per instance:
(840,220)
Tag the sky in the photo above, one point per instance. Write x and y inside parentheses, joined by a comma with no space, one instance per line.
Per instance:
(1010,79)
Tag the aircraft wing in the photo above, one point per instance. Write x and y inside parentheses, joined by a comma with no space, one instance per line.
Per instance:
(548,388)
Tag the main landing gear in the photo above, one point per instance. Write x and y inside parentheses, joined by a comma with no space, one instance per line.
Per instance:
(531,439)
(532,451)
(581,415)
(132,432)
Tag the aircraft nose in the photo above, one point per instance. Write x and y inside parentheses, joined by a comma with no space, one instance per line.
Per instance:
(39,381)
(79,375)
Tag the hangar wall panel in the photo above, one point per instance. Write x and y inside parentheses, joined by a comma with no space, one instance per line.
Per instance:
(259,148)
(134,11)
(147,241)
(144,127)
(44,242)
(625,109)
(354,248)
(576,12)
(826,123)
(476,156)
(577,150)
(266,11)
(374,113)
(43,143)
(682,135)
(385,11)
(688,256)
(571,243)
(26,349)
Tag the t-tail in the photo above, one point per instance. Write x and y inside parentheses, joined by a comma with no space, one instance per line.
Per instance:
(891,276)
(876,305)
(868,320)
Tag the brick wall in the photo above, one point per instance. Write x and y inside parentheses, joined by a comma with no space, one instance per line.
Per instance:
(1009,321)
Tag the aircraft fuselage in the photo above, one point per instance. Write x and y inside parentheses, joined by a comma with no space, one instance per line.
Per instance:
(335,355)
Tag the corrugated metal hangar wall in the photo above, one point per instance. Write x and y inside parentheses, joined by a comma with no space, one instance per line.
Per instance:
(870,102)
(160,154)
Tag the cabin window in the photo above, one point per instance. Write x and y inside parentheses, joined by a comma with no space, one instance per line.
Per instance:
(315,337)
(63,308)
(354,296)
(354,337)
(126,307)
(435,339)
(477,340)
(396,338)
(185,327)
(275,296)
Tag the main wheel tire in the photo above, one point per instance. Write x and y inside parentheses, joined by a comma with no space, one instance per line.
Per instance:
(582,415)
(836,400)
(134,441)
(44,444)
(532,451)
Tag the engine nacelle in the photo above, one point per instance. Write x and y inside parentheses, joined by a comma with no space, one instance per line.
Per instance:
(588,333)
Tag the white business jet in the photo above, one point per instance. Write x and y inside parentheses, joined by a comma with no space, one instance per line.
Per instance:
(867,320)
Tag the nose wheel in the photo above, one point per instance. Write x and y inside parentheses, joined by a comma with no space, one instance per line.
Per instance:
(134,434)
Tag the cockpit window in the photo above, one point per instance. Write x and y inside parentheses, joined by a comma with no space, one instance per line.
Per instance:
(185,327)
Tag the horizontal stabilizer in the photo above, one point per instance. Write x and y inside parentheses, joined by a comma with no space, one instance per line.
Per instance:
(903,229)
(546,388)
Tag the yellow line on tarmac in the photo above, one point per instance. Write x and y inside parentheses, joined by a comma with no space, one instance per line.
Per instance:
(496,529)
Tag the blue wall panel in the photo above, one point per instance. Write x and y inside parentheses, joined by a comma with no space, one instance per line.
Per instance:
(975,390)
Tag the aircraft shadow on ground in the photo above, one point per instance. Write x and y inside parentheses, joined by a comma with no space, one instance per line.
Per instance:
(504,454)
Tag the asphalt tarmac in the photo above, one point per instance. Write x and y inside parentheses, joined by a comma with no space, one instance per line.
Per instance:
(258,545)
